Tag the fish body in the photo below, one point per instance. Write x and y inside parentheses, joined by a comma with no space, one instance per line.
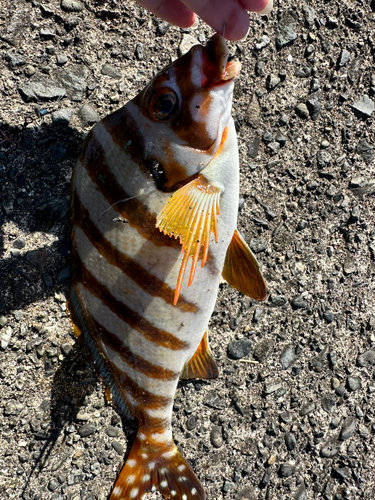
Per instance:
(155,189)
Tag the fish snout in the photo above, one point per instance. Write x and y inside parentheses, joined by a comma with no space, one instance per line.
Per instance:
(216,67)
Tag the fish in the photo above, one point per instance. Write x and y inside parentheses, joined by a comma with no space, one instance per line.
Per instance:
(155,195)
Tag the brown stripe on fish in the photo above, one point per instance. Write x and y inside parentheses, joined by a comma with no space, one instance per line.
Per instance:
(188,129)
(123,382)
(125,132)
(89,340)
(121,126)
(147,281)
(185,127)
(130,317)
(137,213)
(142,397)
(137,362)
(154,427)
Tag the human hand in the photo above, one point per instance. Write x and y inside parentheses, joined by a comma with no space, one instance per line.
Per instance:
(216,13)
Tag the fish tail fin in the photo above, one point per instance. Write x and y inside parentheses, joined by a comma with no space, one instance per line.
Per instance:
(156,468)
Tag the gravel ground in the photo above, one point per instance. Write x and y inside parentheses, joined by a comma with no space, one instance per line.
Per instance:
(292,415)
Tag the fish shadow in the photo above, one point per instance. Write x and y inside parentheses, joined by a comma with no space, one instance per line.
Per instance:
(75,380)
(35,171)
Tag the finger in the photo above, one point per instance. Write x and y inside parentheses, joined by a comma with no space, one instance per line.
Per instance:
(172,11)
(216,13)
(232,13)
(263,7)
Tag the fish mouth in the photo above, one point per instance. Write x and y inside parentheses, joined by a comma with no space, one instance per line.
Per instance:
(217,69)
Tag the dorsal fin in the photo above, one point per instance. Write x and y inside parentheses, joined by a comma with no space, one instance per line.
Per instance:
(241,270)
(202,364)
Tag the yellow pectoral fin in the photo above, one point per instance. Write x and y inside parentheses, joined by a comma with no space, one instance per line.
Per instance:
(202,364)
(191,215)
(241,270)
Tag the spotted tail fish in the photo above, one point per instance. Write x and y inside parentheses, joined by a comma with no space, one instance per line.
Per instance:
(155,200)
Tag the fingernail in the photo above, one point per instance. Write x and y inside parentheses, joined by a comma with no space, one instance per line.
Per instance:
(267,9)
(195,24)
(247,32)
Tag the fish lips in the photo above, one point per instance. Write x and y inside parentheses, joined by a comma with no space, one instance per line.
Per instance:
(216,68)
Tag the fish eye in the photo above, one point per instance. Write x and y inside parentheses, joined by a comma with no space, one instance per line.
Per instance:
(164,104)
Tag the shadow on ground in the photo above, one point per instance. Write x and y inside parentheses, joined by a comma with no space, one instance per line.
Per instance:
(35,171)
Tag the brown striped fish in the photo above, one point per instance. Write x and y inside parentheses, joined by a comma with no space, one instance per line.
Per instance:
(155,192)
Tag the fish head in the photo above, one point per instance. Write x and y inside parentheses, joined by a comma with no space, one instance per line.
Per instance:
(184,111)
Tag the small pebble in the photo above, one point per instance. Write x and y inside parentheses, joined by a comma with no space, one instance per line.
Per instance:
(191,422)
(334,423)
(216,436)
(72,5)
(61,59)
(328,316)
(53,485)
(340,390)
(88,114)
(286,417)
(163,28)
(365,106)
(258,245)
(263,349)
(62,117)
(366,359)
(112,431)
(288,357)
(110,71)
(258,313)
(301,493)
(287,469)
(359,412)
(348,428)
(298,303)
(303,72)
(272,387)
(272,81)
(5,336)
(342,472)
(228,486)
(328,402)
(19,243)
(330,449)
(307,408)
(86,430)
(301,110)
(353,383)
(265,479)
(29,70)
(47,34)
(290,441)
(278,300)
(344,57)
(239,348)
(118,448)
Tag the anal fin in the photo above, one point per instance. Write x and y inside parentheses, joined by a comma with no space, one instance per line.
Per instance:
(241,270)
(202,364)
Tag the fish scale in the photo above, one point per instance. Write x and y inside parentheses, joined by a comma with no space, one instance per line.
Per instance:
(144,323)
